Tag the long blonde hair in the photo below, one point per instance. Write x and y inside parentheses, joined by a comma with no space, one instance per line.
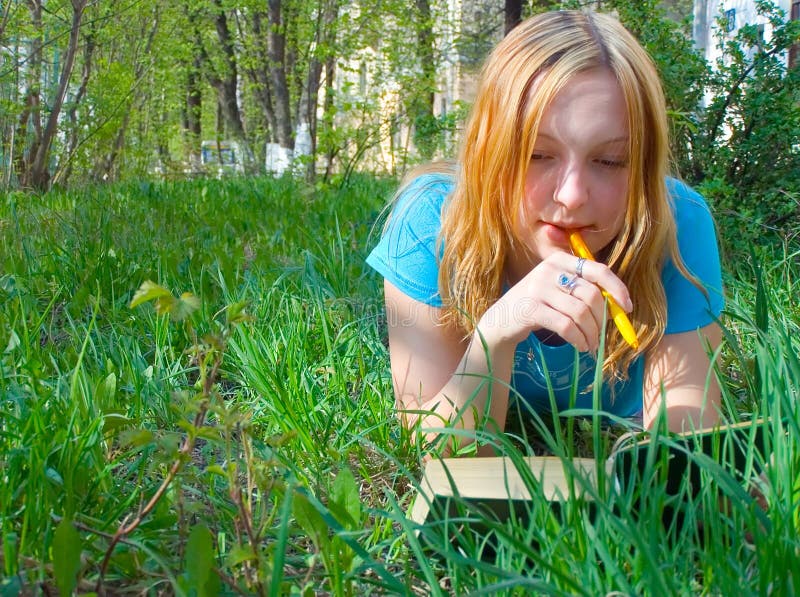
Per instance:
(479,221)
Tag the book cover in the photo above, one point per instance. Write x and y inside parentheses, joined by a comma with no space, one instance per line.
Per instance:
(500,486)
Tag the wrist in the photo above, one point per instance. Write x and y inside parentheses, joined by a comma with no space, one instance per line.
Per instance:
(496,336)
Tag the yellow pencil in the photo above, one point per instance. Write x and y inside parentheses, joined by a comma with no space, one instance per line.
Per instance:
(617,314)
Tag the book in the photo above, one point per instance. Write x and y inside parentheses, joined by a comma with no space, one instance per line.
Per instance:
(493,483)
(501,486)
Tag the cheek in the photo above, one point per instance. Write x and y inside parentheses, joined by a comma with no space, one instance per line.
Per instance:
(537,195)
(615,208)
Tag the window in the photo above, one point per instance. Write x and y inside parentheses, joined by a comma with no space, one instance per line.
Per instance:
(730,20)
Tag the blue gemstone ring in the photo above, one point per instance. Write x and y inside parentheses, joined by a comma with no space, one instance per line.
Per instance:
(567,283)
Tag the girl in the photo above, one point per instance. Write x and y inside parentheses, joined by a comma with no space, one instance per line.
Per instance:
(486,301)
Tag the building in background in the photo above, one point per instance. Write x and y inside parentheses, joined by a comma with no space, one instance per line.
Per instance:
(710,16)
(469,32)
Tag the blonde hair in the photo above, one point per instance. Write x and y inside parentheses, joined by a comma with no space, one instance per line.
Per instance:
(479,221)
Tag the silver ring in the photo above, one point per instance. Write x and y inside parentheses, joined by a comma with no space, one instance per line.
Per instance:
(579,267)
(567,283)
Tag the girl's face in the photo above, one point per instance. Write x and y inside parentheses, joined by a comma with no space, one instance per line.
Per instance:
(578,174)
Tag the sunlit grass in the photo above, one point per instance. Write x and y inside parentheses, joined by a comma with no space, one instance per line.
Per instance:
(301,476)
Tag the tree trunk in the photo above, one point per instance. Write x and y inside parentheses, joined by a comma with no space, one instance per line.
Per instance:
(65,171)
(513,13)
(327,110)
(31,112)
(39,173)
(421,108)
(261,76)
(229,81)
(193,112)
(325,37)
(283,133)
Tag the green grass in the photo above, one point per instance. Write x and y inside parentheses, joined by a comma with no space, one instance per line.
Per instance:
(294,475)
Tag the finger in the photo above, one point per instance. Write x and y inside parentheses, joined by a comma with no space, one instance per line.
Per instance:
(597,273)
(590,312)
(591,301)
(583,310)
(559,322)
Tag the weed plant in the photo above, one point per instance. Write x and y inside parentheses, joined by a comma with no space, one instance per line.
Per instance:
(240,438)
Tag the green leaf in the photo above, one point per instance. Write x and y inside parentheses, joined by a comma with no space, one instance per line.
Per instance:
(310,520)
(215,469)
(149,291)
(345,499)
(106,389)
(178,308)
(235,313)
(200,574)
(113,421)
(66,556)
(183,307)
(13,342)
(136,438)
(239,554)
(54,476)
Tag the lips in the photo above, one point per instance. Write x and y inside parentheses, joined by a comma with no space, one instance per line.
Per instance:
(558,233)
(569,226)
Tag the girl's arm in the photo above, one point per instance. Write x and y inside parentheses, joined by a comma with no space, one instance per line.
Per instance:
(679,373)
(442,378)
(436,371)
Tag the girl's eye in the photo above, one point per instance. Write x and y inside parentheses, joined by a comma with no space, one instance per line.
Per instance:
(538,156)
(612,163)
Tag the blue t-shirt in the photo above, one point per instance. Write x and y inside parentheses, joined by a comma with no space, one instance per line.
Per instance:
(407,257)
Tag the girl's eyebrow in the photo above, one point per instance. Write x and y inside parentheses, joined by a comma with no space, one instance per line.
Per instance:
(623,139)
(620,139)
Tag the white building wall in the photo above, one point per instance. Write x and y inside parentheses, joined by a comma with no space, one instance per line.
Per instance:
(740,12)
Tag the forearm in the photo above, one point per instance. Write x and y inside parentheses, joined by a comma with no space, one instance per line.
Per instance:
(475,396)
(679,378)
(686,408)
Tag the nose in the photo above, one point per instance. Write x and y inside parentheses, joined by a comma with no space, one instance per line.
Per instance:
(572,190)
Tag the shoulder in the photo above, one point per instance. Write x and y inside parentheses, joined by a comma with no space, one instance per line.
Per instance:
(689,207)
(690,306)
(417,210)
(423,195)
(407,253)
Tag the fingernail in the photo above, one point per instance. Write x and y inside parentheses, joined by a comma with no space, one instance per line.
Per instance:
(629,305)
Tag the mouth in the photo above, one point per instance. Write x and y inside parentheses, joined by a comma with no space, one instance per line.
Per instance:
(570,227)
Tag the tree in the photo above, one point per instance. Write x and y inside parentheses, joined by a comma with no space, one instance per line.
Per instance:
(279,65)
(322,56)
(290,51)
(72,111)
(35,171)
(221,69)
(421,104)
(142,50)
(745,152)
(513,14)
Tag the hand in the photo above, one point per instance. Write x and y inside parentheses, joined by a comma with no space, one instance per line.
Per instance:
(540,300)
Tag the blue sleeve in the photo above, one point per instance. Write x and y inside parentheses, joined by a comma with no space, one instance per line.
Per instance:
(406,254)
(687,307)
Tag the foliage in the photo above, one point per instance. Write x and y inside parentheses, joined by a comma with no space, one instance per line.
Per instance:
(297,477)
(746,151)
(151,80)
(363,81)
(735,123)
